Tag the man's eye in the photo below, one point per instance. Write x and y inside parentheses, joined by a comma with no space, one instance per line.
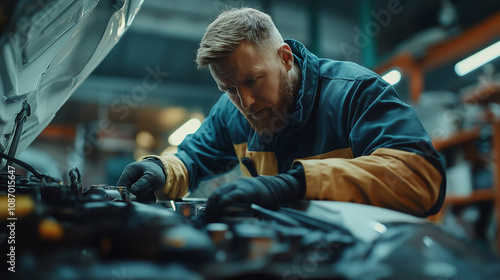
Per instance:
(231,90)
(252,81)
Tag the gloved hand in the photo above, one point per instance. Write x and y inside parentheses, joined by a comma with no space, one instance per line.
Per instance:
(266,191)
(143,178)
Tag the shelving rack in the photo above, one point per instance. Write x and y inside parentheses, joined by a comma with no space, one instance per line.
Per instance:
(438,55)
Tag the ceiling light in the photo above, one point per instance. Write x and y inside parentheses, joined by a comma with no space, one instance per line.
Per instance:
(478,59)
(393,77)
(172,117)
(189,127)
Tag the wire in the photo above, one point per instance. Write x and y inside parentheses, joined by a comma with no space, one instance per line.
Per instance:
(23,164)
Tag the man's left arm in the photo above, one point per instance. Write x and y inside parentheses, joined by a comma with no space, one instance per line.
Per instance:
(395,165)
(388,178)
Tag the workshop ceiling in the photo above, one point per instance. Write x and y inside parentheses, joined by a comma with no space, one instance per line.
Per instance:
(165,34)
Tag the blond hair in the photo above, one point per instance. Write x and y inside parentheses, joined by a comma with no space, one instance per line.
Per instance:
(230,29)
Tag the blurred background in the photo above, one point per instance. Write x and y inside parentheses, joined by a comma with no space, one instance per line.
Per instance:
(147,94)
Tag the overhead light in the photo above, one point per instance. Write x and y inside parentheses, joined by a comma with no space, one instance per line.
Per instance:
(171,117)
(144,139)
(478,59)
(189,127)
(393,77)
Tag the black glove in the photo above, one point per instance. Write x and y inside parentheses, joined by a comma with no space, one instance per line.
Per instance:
(266,191)
(143,178)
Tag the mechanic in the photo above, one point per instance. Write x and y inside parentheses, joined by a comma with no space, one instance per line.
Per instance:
(321,129)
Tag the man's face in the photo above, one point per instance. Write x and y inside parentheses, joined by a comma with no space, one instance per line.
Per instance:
(258,85)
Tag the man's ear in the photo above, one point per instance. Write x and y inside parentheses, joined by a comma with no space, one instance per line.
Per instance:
(286,56)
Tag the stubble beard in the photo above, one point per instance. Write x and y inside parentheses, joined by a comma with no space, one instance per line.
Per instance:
(276,119)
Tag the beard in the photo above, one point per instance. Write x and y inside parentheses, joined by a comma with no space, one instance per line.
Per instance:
(276,119)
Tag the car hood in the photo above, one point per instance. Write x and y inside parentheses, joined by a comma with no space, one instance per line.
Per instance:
(47,49)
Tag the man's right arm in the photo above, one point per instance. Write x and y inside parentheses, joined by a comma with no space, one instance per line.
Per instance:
(204,154)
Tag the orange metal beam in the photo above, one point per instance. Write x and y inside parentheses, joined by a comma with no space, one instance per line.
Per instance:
(416,82)
(441,53)
(469,41)
(406,64)
(404,61)
(65,132)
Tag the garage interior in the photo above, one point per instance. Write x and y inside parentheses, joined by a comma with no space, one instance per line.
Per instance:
(113,119)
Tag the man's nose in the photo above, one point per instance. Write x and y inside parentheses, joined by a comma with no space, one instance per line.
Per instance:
(246,98)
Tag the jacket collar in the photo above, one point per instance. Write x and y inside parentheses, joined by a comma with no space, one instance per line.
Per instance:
(309,65)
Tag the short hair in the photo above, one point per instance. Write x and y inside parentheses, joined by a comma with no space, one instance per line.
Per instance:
(230,29)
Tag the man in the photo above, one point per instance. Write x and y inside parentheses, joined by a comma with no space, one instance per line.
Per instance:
(320,128)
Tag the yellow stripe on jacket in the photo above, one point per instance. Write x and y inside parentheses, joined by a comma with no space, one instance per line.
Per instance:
(265,163)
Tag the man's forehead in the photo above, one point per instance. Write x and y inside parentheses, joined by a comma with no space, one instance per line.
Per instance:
(222,70)
(243,63)
(237,61)
(221,75)
(228,70)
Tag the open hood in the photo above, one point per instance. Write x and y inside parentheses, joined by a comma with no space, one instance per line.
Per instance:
(47,49)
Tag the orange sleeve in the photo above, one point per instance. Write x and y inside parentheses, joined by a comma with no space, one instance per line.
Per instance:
(388,178)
